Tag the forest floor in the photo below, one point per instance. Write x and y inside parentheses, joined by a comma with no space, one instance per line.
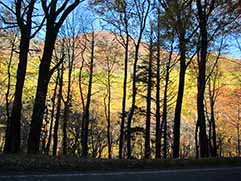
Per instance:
(42,163)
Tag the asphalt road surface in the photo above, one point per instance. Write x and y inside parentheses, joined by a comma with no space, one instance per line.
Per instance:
(203,174)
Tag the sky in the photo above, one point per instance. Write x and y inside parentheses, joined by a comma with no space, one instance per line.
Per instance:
(233,51)
(87,16)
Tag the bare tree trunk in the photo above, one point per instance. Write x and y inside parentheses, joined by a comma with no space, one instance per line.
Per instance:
(165,100)
(58,111)
(209,136)
(108,113)
(52,114)
(164,112)
(238,134)
(65,119)
(123,114)
(7,145)
(202,79)
(108,118)
(71,53)
(133,105)
(17,103)
(212,128)
(41,93)
(45,129)
(214,134)
(25,25)
(148,99)
(158,117)
(55,19)
(142,16)
(85,125)
(82,94)
(196,141)
(123,111)
(68,100)
(108,126)
(178,108)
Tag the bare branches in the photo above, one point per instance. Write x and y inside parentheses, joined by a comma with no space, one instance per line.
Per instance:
(7,7)
(38,28)
(216,60)
(51,71)
(66,12)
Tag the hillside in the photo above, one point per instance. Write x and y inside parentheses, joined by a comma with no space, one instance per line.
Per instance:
(109,48)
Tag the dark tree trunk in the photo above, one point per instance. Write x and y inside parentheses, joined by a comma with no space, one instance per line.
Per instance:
(58,111)
(17,103)
(212,128)
(40,98)
(65,119)
(214,136)
(8,136)
(13,138)
(148,100)
(164,112)
(158,117)
(133,105)
(165,99)
(45,129)
(108,109)
(203,141)
(123,111)
(45,73)
(209,136)
(67,110)
(108,114)
(196,140)
(142,16)
(67,103)
(85,128)
(238,133)
(178,108)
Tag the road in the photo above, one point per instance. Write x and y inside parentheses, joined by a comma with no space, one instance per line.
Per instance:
(203,174)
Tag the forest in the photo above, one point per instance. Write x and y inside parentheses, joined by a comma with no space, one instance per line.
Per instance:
(121,79)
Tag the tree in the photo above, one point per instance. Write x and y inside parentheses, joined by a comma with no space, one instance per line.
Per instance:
(203,14)
(71,46)
(212,95)
(148,97)
(54,19)
(23,13)
(213,83)
(86,108)
(230,117)
(119,14)
(142,9)
(169,64)
(126,47)
(179,15)
(59,100)
(53,100)
(108,53)
(158,67)
(12,43)
(107,110)
(210,22)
